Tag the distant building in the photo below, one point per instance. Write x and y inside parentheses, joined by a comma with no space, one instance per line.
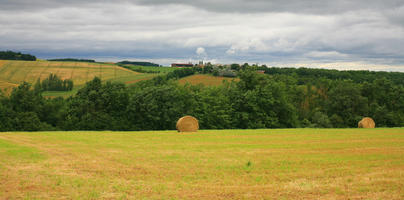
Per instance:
(182,65)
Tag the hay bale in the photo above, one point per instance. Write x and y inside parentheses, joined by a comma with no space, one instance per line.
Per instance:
(366,122)
(187,124)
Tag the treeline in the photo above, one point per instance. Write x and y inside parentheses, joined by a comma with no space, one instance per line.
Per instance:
(72,60)
(54,83)
(307,75)
(255,101)
(139,69)
(10,55)
(146,64)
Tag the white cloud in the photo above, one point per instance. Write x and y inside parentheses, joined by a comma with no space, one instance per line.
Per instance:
(200,51)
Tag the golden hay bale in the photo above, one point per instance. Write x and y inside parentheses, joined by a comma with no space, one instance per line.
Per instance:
(366,122)
(187,124)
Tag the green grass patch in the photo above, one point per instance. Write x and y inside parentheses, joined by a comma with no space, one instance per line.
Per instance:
(11,151)
(61,93)
(151,69)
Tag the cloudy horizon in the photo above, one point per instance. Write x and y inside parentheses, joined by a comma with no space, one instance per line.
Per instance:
(331,34)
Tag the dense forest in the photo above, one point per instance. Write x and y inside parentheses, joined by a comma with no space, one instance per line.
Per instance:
(10,55)
(281,98)
(72,60)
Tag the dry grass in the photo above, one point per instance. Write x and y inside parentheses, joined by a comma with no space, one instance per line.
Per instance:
(7,87)
(236,164)
(2,62)
(207,80)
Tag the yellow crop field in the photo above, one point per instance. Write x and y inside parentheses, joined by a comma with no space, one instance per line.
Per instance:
(2,62)
(13,73)
(209,164)
(7,87)
(207,80)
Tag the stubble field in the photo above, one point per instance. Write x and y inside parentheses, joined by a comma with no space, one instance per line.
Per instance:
(225,164)
(207,80)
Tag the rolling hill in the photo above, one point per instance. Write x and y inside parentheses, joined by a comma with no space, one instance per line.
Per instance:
(207,80)
(12,73)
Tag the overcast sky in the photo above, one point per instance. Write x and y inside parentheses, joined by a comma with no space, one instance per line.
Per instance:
(344,34)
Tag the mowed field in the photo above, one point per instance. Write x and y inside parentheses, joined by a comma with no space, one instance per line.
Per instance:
(225,164)
(13,73)
(204,79)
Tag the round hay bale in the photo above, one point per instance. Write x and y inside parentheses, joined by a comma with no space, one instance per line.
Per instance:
(187,124)
(366,122)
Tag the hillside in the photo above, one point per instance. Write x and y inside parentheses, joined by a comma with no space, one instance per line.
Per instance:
(207,80)
(13,73)
(256,101)
(148,69)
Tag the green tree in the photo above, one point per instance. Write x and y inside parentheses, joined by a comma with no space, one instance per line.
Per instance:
(98,106)
(235,67)
(260,102)
(321,120)
(159,107)
(345,101)
(213,108)
(23,99)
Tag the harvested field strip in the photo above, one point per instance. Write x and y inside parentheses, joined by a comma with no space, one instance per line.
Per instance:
(7,87)
(45,69)
(87,73)
(2,63)
(11,73)
(141,78)
(207,80)
(4,69)
(28,73)
(74,69)
(56,71)
(225,164)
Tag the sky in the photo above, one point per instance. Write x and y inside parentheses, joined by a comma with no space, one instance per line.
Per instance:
(343,34)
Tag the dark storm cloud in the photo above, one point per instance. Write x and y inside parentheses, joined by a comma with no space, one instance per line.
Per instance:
(242,6)
(295,6)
